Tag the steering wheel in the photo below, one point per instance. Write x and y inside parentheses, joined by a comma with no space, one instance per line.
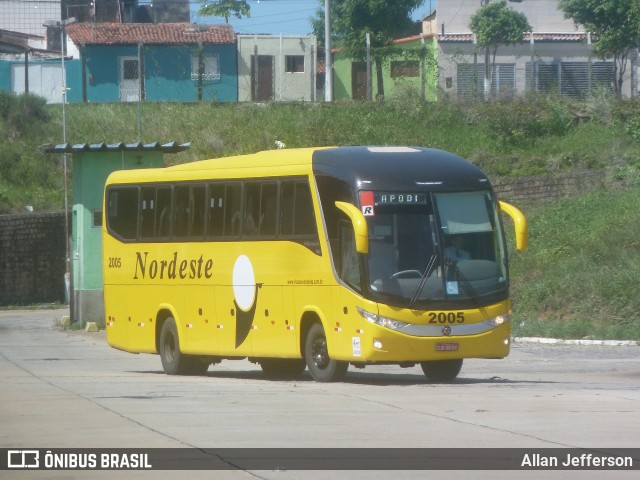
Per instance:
(401,273)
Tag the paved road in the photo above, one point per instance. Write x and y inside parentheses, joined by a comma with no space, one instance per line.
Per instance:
(70,389)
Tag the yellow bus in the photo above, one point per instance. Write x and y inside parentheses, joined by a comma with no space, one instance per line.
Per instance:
(315,258)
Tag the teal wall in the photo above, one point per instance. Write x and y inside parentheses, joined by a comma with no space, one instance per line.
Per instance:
(90,172)
(167,72)
(5,76)
(103,71)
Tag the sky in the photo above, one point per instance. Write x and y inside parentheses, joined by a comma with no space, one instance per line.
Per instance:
(275,17)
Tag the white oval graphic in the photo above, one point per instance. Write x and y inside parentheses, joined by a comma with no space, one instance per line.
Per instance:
(244,283)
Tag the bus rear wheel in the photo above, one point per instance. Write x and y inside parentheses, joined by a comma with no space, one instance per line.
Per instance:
(174,362)
(442,370)
(316,353)
(283,368)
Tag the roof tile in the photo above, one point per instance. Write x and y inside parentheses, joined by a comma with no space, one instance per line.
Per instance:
(149,33)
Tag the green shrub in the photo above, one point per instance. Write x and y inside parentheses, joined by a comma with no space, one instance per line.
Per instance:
(522,120)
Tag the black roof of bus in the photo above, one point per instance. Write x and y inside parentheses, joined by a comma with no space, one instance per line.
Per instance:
(399,168)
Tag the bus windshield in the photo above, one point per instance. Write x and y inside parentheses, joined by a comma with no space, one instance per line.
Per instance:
(439,249)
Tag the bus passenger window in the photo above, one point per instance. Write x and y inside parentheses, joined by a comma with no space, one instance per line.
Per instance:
(304,219)
(232,210)
(296,209)
(260,209)
(287,203)
(163,212)
(181,212)
(215,210)
(268,202)
(148,212)
(196,211)
(251,223)
(122,212)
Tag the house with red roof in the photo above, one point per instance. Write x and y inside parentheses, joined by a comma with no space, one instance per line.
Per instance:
(182,62)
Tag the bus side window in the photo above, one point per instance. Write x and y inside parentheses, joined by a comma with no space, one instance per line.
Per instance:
(251,220)
(268,205)
(260,209)
(147,212)
(215,210)
(163,212)
(297,218)
(287,203)
(232,206)
(181,212)
(122,212)
(197,207)
(304,218)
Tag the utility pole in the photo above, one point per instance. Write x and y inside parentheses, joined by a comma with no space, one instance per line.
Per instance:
(328,75)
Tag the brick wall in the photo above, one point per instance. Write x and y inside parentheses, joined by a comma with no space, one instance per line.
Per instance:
(32,258)
(546,188)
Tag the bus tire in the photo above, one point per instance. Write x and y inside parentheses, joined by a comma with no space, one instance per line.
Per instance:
(442,370)
(174,362)
(283,368)
(316,354)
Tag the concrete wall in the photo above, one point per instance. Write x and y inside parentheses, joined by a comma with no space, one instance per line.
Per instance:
(287,86)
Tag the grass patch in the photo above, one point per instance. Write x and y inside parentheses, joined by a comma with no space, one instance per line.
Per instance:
(580,275)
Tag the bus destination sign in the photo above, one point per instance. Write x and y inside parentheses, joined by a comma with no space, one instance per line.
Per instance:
(369,200)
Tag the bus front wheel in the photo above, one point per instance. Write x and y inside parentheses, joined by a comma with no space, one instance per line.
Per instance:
(321,366)
(174,362)
(442,370)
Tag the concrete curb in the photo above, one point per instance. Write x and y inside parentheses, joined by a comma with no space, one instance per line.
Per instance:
(558,341)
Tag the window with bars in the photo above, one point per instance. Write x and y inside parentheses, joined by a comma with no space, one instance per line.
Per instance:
(471,80)
(210,67)
(571,79)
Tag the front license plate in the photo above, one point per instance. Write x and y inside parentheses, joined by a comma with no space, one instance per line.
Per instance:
(447,347)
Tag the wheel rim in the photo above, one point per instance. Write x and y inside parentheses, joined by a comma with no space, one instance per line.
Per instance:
(319,352)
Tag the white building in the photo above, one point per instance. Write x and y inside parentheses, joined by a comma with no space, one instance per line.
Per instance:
(556,56)
(276,68)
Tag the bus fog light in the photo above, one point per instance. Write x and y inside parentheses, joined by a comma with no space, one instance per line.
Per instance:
(377,344)
(506,341)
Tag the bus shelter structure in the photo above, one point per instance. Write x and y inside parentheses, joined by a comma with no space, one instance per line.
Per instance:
(92,164)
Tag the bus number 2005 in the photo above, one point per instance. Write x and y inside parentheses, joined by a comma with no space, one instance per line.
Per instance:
(446,317)
(115,262)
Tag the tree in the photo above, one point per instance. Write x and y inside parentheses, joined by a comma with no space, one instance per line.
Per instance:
(615,26)
(226,9)
(496,24)
(351,20)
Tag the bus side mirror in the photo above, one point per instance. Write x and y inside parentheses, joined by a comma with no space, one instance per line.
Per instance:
(522,234)
(359,225)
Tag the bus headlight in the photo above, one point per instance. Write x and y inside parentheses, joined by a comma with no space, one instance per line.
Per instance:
(499,320)
(380,320)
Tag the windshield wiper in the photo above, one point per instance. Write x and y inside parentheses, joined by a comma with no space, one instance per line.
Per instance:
(423,279)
